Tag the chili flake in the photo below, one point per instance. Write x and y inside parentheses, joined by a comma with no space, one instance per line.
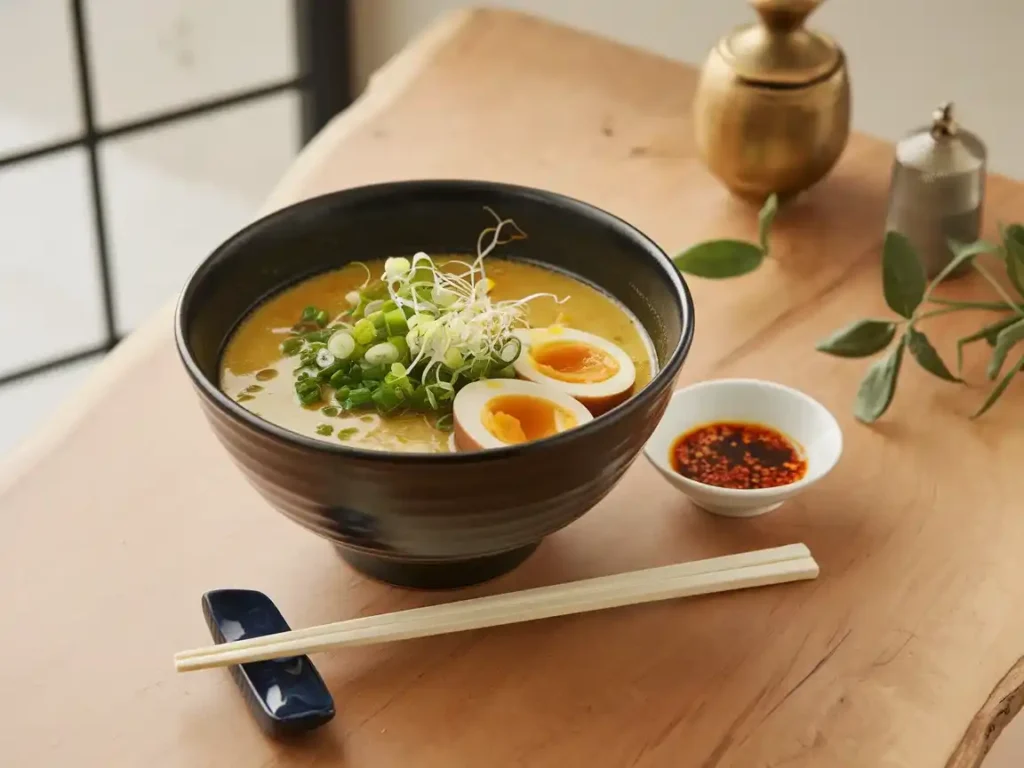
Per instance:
(732,454)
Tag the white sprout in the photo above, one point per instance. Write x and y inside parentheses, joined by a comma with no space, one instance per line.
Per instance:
(455,322)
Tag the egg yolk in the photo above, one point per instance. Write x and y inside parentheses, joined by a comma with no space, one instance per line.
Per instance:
(574,362)
(521,418)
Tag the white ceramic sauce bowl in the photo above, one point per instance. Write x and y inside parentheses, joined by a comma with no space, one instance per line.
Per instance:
(799,417)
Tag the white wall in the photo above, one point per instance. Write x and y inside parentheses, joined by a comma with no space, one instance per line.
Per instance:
(906,56)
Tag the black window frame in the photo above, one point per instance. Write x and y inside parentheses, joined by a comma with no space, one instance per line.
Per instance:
(323,30)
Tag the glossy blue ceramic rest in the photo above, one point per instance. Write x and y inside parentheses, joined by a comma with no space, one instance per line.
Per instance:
(286,696)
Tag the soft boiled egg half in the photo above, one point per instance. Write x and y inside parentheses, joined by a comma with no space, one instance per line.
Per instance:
(494,413)
(591,369)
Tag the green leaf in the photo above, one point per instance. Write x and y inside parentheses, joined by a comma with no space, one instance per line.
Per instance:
(962,252)
(1013,247)
(878,385)
(999,388)
(926,356)
(1007,339)
(1015,271)
(765,219)
(903,279)
(989,333)
(717,259)
(859,339)
(1013,236)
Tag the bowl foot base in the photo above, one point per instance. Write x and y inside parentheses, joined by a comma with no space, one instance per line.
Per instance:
(742,512)
(440,575)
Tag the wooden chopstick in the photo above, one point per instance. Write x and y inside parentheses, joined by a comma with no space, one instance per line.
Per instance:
(750,569)
(708,565)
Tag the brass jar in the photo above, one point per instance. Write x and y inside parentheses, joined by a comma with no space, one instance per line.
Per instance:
(772,108)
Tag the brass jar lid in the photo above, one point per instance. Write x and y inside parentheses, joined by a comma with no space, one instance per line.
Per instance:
(779,50)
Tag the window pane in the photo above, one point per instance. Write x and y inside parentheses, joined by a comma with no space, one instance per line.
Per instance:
(155,56)
(50,296)
(175,193)
(38,88)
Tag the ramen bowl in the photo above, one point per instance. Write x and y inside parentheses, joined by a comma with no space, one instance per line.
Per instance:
(433,520)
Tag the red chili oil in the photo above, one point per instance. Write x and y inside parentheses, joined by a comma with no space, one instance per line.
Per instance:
(733,454)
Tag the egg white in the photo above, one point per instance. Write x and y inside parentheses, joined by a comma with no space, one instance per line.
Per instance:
(598,396)
(470,434)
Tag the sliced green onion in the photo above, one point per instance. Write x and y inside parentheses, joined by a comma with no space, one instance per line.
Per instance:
(341,345)
(324,429)
(341,394)
(383,354)
(396,323)
(291,346)
(329,410)
(324,358)
(387,398)
(510,351)
(358,397)
(321,318)
(480,368)
(399,377)
(396,267)
(339,379)
(377,318)
(442,296)
(446,422)
(453,358)
(399,343)
(331,371)
(374,372)
(418,400)
(317,337)
(308,391)
(418,319)
(353,298)
(389,305)
(364,332)
(308,314)
(373,307)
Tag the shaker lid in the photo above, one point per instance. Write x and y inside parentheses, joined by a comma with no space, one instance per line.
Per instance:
(779,50)
(942,148)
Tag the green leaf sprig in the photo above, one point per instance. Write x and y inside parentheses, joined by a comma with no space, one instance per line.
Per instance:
(719,259)
(909,295)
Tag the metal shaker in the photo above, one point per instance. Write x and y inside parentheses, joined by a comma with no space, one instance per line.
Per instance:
(937,189)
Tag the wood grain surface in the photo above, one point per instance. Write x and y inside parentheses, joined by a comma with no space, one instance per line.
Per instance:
(124,510)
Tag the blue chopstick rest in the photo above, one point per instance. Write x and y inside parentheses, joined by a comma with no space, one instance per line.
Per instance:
(286,696)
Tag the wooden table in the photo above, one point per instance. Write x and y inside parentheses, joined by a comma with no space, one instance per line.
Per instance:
(123,511)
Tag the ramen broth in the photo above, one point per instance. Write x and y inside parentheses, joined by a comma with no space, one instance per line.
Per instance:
(256,373)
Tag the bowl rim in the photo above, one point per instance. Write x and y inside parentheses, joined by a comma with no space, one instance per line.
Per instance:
(744,494)
(664,376)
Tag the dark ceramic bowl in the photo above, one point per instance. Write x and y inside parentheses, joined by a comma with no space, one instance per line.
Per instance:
(433,520)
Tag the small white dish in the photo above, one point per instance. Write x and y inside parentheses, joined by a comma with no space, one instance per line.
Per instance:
(799,417)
